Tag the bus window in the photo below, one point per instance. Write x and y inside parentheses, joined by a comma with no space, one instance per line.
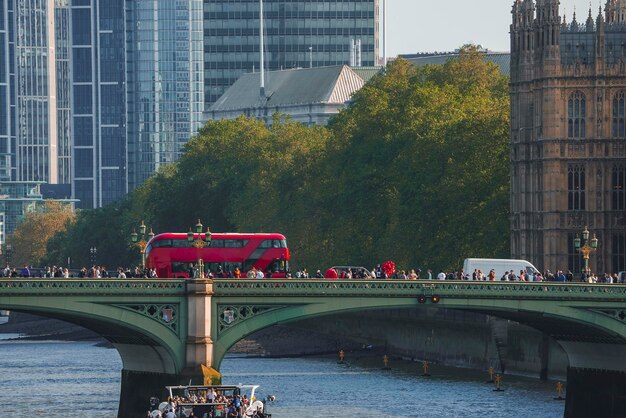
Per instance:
(230,267)
(162,243)
(276,266)
(180,267)
(276,243)
(266,244)
(181,243)
(226,267)
(235,243)
(217,243)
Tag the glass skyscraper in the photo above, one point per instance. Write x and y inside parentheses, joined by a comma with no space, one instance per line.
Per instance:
(63,82)
(137,91)
(165,82)
(34,105)
(298,34)
(7,131)
(33,89)
(98,101)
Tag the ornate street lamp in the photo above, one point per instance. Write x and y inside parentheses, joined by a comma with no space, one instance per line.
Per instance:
(588,246)
(94,252)
(141,240)
(8,253)
(199,242)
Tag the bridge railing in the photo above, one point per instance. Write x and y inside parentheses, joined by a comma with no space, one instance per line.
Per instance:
(289,287)
(403,288)
(25,286)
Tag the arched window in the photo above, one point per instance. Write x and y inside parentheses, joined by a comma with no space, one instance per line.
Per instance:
(576,110)
(618,186)
(576,187)
(619,127)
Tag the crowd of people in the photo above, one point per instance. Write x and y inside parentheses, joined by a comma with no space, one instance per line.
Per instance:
(359,273)
(94,272)
(210,403)
(524,276)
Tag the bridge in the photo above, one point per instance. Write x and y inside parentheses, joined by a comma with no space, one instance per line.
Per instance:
(173,331)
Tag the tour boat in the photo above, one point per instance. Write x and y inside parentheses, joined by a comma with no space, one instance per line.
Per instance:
(187,399)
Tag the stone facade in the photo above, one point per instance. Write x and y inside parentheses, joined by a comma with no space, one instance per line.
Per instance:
(568,135)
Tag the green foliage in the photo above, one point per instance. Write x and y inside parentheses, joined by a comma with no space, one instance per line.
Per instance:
(105,229)
(415,171)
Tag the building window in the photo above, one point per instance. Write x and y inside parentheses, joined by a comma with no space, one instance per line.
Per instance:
(619,111)
(576,110)
(574,260)
(618,188)
(576,187)
(619,252)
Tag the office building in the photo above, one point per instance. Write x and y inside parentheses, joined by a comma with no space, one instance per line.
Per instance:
(568,135)
(33,90)
(137,91)
(63,91)
(98,101)
(165,82)
(298,34)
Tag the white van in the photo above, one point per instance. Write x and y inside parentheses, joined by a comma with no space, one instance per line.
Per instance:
(500,265)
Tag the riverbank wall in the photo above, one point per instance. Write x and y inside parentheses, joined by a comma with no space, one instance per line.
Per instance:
(452,338)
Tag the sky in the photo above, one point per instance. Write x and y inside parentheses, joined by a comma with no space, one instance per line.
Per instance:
(444,25)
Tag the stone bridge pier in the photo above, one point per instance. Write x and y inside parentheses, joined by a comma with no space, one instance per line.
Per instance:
(137,386)
(596,380)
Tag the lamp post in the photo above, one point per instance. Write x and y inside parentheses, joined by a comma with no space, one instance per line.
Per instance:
(199,243)
(141,240)
(94,252)
(8,253)
(588,246)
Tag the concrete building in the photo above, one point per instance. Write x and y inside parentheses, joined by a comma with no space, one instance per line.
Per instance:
(298,34)
(310,96)
(568,135)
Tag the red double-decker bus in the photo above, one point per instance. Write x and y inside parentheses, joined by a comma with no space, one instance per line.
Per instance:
(172,254)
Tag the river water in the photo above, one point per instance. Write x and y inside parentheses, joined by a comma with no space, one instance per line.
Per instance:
(78,379)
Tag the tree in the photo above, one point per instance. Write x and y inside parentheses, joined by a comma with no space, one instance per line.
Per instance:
(422,159)
(31,236)
(415,170)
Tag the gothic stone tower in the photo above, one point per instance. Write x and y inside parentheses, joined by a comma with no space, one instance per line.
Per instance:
(568,135)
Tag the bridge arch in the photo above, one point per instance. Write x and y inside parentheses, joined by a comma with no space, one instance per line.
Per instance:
(143,343)
(570,326)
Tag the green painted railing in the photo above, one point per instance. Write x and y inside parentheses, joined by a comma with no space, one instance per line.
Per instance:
(404,288)
(320,288)
(96,287)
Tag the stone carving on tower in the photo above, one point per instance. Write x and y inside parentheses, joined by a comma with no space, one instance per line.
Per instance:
(568,134)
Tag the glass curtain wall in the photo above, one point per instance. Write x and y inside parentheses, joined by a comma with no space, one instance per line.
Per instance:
(299,33)
(165,82)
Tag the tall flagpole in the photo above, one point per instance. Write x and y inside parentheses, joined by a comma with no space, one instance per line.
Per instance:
(384,32)
(261,48)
